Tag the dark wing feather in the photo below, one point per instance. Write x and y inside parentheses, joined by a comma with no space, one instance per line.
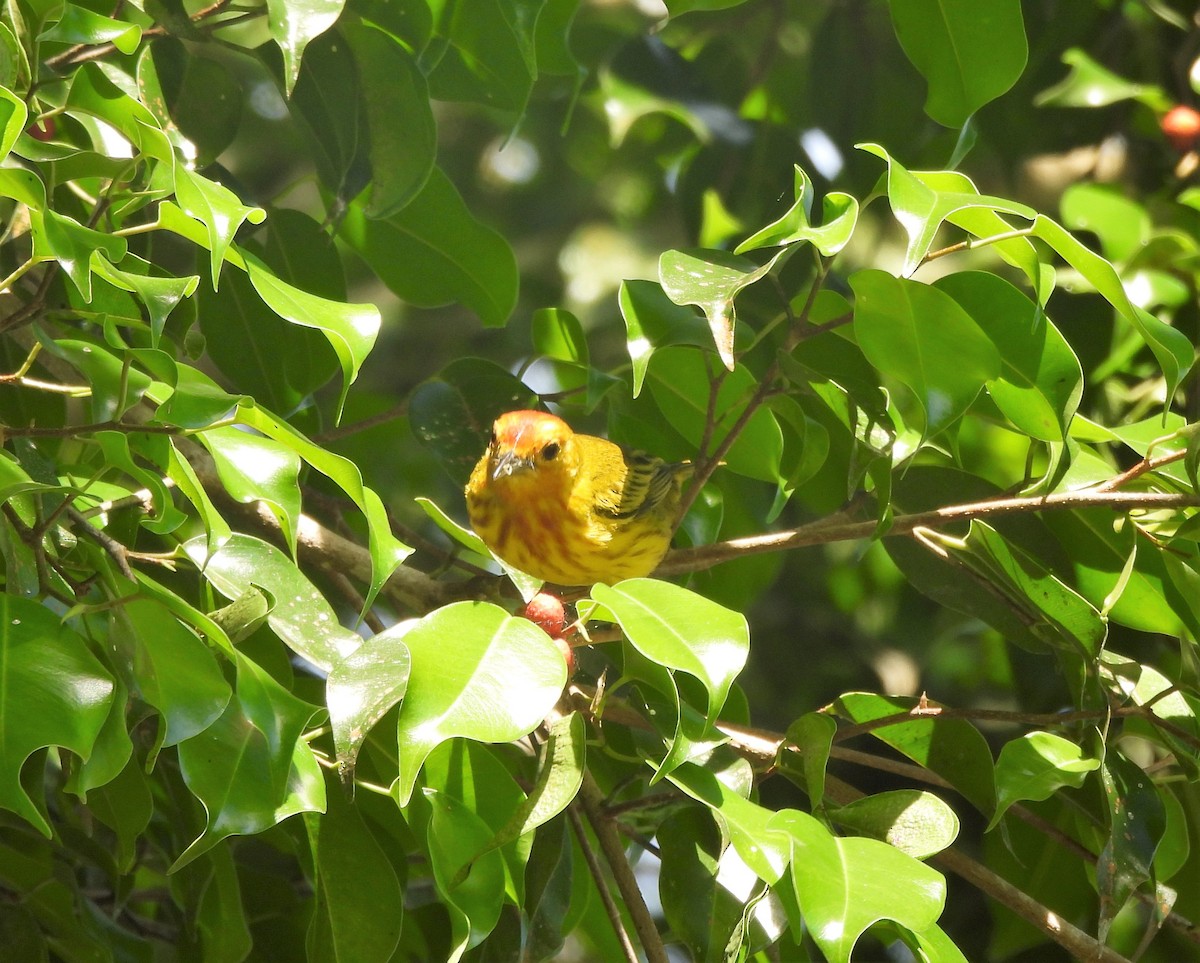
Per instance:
(650,483)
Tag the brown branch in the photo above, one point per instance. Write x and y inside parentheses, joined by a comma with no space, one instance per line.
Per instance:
(835,530)
(591,799)
(1147,464)
(611,910)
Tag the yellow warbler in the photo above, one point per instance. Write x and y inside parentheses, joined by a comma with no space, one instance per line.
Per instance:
(572,509)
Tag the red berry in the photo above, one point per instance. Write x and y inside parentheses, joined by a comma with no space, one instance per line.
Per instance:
(42,130)
(1181,124)
(546,610)
(568,654)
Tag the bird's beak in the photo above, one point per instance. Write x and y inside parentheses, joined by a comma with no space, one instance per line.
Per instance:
(510,463)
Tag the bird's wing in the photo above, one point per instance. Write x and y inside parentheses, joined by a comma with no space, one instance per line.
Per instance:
(649,483)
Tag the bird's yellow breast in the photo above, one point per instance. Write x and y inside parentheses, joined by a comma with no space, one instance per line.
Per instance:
(569,521)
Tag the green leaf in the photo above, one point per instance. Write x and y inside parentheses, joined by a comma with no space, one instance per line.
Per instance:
(921,208)
(434,252)
(218,209)
(846,885)
(1037,765)
(13,115)
(914,821)
(1171,348)
(1137,822)
(354,881)
(196,98)
(680,381)
(764,848)
(169,668)
(1052,610)
(969,51)
(350,328)
(294,24)
(712,280)
(1041,381)
(250,769)
(682,631)
(558,334)
(387,551)
(812,736)
(301,616)
(257,469)
(180,471)
(53,692)
(62,238)
(362,687)
(403,132)
(1122,225)
(500,679)
(840,214)
(80,25)
(1088,84)
(921,337)
(559,777)
(160,295)
(952,748)
(488,54)
(653,321)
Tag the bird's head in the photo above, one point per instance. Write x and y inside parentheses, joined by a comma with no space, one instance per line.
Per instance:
(530,444)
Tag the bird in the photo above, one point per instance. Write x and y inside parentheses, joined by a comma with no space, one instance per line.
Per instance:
(572,509)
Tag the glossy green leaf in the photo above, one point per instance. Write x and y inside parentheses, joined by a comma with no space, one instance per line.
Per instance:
(845,885)
(652,321)
(1037,765)
(921,209)
(455,835)
(1171,347)
(812,737)
(1088,84)
(952,748)
(558,334)
(294,24)
(453,412)
(434,252)
(685,632)
(160,295)
(501,678)
(53,692)
(350,328)
(387,551)
(1041,381)
(170,668)
(403,132)
(257,469)
(764,848)
(94,93)
(922,338)
(197,99)
(1122,225)
(914,821)
(1052,610)
(218,209)
(560,774)
(62,238)
(839,216)
(13,115)
(80,25)
(1143,685)
(301,616)
(712,280)
(969,51)
(362,687)
(1138,820)
(489,53)
(250,769)
(359,902)
(680,381)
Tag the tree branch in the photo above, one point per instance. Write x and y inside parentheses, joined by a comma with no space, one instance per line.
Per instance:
(835,530)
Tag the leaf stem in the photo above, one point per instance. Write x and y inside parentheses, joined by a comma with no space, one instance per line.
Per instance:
(610,907)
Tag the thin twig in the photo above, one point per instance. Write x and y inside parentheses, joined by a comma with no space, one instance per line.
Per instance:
(611,909)
(592,800)
(1147,464)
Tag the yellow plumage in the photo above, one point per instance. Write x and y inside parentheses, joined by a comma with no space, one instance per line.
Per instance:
(572,509)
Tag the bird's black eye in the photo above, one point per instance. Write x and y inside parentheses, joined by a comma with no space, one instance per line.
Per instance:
(550,452)
(492,440)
